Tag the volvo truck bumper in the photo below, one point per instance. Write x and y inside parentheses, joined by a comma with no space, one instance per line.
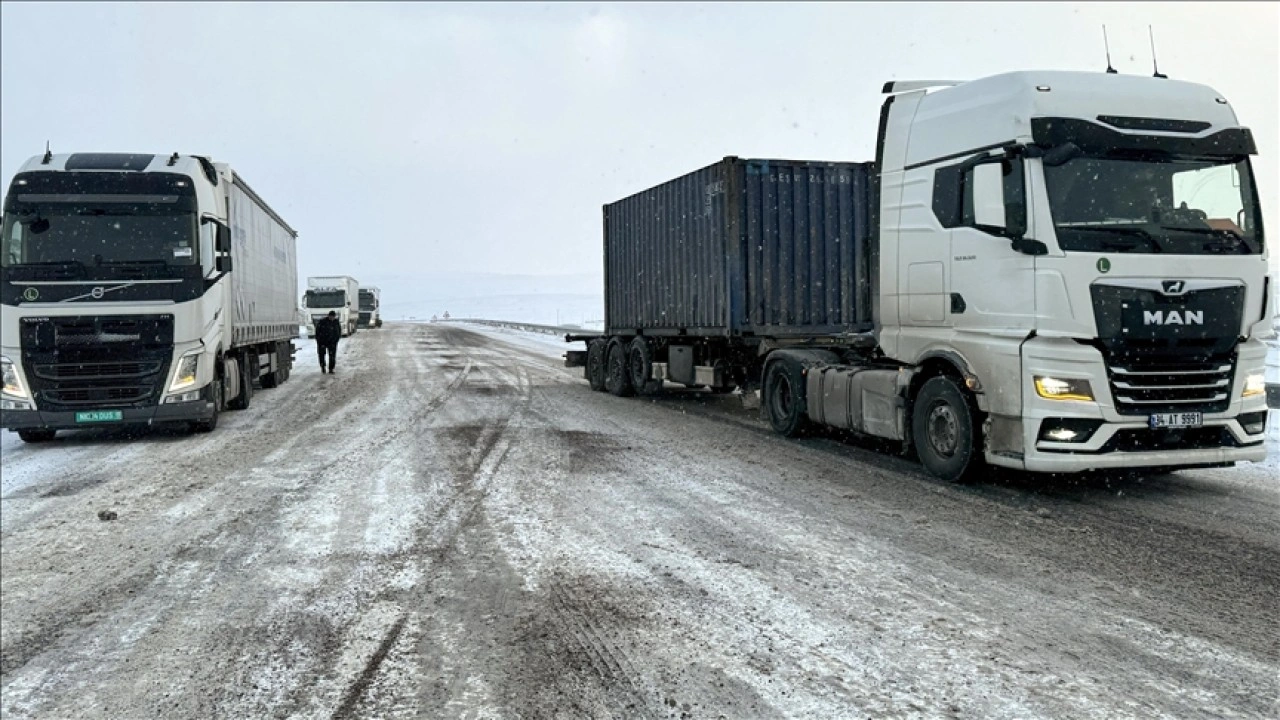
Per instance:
(1098,417)
(106,416)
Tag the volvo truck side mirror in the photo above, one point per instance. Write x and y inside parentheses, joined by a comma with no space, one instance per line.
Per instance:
(223,263)
(224,239)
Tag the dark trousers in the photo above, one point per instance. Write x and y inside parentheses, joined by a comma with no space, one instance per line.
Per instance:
(331,348)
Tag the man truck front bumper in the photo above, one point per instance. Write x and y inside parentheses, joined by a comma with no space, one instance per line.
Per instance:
(1066,436)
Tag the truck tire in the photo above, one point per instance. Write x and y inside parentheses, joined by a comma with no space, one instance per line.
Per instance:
(595,371)
(784,400)
(241,401)
(273,378)
(207,426)
(617,378)
(944,430)
(37,435)
(640,367)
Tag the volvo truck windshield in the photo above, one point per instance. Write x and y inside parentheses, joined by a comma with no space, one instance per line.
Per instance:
(1153,204)
(92,234)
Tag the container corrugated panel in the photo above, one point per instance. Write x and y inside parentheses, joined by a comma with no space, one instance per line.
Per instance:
(763,247)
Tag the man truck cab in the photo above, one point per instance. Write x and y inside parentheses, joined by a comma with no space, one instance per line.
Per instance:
(1083,255)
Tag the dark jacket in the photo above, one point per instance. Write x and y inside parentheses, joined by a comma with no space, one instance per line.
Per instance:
(328,330)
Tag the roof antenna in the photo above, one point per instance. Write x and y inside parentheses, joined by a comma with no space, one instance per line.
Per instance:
(48,154)
(1152,34)
(1107,45)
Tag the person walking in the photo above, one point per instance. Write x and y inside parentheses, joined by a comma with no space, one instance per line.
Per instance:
(328,331)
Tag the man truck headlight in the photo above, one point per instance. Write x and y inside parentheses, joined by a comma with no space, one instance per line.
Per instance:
(1052,388)
(1253,385)
(185,374)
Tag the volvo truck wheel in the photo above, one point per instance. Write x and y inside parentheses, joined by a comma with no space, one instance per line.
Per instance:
(944,430)
(241,401)
(596,352)
(784,400)
(617,378)
(206,426)
(37,435)
(640,366)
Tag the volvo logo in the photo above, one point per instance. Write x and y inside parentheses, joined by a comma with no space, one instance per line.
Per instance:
(1173,317)
(1174,287)
(97,292)
(30,294)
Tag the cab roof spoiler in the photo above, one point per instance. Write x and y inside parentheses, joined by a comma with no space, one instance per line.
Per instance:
(897,86)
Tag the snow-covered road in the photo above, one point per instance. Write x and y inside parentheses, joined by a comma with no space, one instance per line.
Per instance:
(455,526)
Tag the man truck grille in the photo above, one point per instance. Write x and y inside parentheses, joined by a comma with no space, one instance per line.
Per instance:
(1189,386)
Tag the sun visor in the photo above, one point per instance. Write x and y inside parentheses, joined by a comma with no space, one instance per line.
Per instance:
(1095,138)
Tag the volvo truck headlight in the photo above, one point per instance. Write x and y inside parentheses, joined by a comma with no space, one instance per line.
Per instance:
(12,384)
(1253,385)
(1052,388)
(184,376)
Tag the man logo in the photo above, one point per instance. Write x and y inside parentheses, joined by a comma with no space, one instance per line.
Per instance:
(1173,317)
(1174,287)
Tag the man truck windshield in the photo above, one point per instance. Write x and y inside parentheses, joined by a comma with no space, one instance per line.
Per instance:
(1186,206)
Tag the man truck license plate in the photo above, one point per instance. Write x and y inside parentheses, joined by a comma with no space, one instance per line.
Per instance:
(1176,420)
(93,416)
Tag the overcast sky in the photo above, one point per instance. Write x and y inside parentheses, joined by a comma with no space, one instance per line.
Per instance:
(403,138)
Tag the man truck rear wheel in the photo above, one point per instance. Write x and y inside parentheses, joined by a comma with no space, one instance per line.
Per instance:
(784,400)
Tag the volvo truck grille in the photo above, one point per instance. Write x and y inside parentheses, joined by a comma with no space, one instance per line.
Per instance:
(97,361)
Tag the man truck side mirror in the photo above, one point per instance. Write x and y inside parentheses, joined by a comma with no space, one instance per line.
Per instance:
(988,197)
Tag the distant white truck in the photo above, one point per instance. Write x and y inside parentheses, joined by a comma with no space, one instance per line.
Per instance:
(370,303)
(339,293)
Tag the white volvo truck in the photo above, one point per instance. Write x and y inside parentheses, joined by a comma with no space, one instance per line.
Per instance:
(139,289)
(1065,271)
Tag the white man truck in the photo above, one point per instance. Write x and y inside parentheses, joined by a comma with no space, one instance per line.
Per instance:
(370,307)
(139,289)
(337,293)
(1048,271)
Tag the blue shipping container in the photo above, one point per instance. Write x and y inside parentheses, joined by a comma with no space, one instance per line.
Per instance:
(772,248)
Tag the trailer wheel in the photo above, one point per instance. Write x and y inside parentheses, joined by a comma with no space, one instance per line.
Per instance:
(596,356)
(273,378)
(37,435)
(944,430)
(617,378)
(784,399)
(640,367)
